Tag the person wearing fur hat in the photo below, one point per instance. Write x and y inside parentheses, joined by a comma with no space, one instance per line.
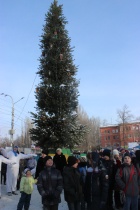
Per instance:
(41,163)
(50,185)
(96,184)
(127,180)
(108,164)
(72,185)
(59,160)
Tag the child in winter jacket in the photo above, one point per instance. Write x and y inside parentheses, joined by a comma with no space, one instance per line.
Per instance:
(96,185)
(26,189)
(72,184)
(127,180)
(50,185)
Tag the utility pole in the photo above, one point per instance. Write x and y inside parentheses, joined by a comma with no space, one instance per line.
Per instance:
(12,131)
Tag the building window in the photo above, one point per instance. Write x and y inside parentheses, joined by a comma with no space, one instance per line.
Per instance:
(113,131)
(116,130)
(108,137)
(108,131)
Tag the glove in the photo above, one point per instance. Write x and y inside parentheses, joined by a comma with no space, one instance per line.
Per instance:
(102,205)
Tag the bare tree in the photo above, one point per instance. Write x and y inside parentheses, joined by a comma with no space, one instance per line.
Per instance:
(5,142)
(92,137)
(83,119)
(26,138)
(124,116)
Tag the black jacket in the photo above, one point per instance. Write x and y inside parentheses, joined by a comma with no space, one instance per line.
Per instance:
(72,184)
(40,166)
(50,185)
(96,185)
(59,161)
(108,164)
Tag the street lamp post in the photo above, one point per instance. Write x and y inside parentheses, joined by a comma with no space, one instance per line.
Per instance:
(11,132)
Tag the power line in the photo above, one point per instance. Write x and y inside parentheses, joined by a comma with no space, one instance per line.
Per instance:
(27,97)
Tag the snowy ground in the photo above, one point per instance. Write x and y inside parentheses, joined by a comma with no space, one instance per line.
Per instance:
(10,202)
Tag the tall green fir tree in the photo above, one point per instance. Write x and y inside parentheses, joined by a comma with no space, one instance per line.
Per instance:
(55,121)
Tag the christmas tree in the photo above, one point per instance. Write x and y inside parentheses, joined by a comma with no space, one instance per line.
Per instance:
(55,120)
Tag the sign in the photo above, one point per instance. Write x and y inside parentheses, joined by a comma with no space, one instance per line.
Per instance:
(131,145)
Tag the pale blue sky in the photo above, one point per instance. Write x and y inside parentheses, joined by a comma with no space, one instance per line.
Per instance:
(106,36)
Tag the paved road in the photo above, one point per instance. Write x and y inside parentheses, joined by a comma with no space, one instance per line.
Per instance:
(10,202)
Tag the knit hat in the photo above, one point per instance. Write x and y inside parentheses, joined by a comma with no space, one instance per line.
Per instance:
(127,154)
(45,152)
(115,152)
(137,153)
(72,160)
(59,149)
(16,147)
(26,169)
(48,158)
(106,152)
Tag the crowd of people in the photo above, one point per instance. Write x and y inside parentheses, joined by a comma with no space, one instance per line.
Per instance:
(103,180)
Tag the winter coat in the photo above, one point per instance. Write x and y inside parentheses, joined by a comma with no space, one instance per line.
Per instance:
(96,186)
(108,165)
(26,184)
(50,185)
(72,184)
(40,166)
(59,161)
(122,179)
(116,166)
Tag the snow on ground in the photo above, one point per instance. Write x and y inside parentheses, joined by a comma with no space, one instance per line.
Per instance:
(10,202)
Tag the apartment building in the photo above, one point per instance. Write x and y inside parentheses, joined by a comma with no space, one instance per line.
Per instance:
(119,135)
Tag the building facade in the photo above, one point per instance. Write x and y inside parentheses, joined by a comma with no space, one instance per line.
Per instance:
(119,135)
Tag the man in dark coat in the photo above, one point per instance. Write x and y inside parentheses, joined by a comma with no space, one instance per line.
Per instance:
(59,160)
(96,184)
(50,185)
(41,163)
(108,164)
(72,185)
